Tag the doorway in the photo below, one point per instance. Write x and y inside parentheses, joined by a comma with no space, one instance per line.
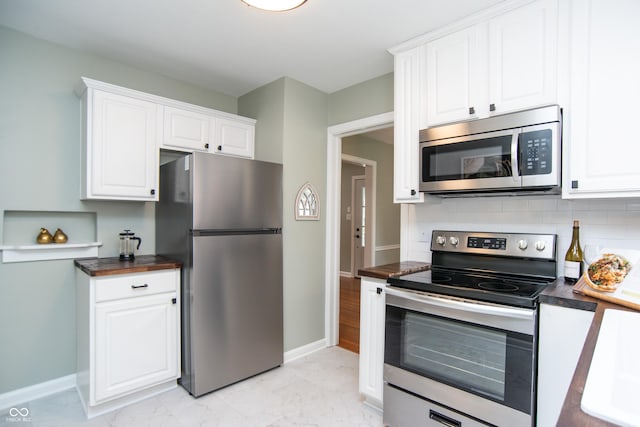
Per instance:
(332,252)
(359,228)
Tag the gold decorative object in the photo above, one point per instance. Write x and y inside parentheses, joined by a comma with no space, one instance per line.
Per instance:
(59,236)
(44,236)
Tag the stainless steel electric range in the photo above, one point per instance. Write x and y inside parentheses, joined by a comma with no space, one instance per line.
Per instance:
(461,339)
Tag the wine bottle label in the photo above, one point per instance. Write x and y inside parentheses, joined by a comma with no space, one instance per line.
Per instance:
(572,269)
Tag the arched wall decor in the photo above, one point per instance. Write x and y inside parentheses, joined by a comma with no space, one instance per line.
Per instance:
(307,207)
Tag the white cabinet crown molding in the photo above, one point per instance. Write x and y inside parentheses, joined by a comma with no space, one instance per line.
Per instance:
(458,25)
(87,82)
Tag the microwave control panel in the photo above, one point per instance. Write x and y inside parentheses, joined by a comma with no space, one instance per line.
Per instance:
(535,152)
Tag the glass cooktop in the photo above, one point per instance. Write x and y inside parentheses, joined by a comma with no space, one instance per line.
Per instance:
(489,287)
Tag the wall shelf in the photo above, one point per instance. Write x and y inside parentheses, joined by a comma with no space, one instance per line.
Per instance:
(20,229)
(51,251)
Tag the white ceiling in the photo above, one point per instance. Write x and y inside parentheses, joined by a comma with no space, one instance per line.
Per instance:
(231,48)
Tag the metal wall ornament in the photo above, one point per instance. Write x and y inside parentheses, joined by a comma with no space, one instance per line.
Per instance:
(307,207)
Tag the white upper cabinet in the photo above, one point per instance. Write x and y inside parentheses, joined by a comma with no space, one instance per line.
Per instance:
(184,129)
(124,130)
(601,145)
(505,63)
(234,137)
(120,157)
(454,74)
(523,64)
(405,133)
(199,130)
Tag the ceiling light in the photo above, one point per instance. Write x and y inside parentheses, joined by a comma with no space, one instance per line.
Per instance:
(274,5)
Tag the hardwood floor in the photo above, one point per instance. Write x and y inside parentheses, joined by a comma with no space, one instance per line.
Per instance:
(349,321)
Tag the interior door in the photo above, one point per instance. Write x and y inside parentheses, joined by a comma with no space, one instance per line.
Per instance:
(359,223)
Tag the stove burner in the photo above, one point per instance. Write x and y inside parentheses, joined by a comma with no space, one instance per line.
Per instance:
(440,279)
(498,286)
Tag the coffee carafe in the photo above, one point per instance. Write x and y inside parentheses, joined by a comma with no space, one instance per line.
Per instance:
(127,245)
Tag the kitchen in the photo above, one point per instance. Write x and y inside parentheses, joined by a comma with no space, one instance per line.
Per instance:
(31,86)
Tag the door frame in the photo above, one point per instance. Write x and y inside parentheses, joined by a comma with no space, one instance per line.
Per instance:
(332,234)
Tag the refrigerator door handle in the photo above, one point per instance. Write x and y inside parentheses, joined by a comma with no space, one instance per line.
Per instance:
(236,232)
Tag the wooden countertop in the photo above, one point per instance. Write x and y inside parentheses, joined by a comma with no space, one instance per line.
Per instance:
(562,294)
(394,269)
(111,266)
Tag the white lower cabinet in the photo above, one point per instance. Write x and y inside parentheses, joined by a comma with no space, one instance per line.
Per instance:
(562,333)
(372,317)
(128,341)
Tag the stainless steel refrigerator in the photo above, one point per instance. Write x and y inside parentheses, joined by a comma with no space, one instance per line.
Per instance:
(222,218)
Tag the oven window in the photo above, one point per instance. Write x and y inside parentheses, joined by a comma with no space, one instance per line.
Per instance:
(467,355)
(491,363)
(483,158)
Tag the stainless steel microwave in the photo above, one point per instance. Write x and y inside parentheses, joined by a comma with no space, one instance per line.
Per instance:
(515,153)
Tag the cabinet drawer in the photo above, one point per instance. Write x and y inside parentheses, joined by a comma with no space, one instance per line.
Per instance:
(134,285)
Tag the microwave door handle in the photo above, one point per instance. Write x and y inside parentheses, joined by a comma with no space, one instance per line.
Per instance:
(515,163)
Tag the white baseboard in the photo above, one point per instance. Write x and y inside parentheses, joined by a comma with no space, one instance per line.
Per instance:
(346,274)
(36,391)
(305,350)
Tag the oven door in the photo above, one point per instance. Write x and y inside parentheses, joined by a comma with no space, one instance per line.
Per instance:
(474,162)
(476,358)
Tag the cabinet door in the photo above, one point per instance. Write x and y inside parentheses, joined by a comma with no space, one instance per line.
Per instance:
(561,338)
(121,148)
(235,138)
(455,77)
(136,344)
(523,57)
(407,117)
(372,317)
(185,130)
(602,145)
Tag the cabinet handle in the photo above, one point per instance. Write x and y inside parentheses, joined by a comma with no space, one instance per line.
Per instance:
(413,192)
(219,147)
(472,110)
(492,107)
(574,183)
(174,300)
(206,145)
(378,291)
(443,419)
(153,191)
(146,285)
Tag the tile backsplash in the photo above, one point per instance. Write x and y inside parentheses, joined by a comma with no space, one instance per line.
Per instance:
(612,223)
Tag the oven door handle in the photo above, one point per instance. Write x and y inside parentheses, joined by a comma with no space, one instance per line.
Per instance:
(465,306)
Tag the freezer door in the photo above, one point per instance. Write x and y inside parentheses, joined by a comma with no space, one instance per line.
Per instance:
(236,308)
(233,193)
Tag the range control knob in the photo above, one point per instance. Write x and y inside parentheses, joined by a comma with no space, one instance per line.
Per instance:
(540,246)
(441,240)
(523,244)
(454,241)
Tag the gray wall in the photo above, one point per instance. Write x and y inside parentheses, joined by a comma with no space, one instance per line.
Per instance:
(40,171)
(292,127)
(364,99)
(387,212)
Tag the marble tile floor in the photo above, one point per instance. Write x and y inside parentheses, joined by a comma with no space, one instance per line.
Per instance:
(320,389)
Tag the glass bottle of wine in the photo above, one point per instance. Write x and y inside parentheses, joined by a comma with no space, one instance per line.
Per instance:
(574,256)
